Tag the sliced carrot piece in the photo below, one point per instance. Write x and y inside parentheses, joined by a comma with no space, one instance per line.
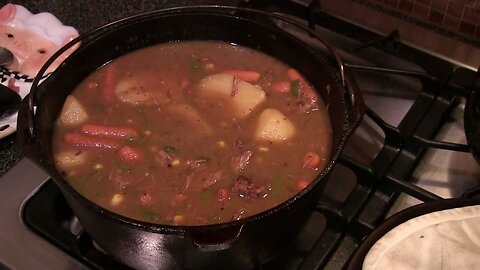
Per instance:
(281,87)
(301,184)
(108,131)
(88,141)
(311,160)
(108,83)
(246,75)
(293,74)
(128,153)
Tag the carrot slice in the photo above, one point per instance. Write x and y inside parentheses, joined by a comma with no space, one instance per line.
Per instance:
(281,87)
(108,131)
(108,83)
(301,184)
(246,75)
(128,153)
(87,141)
(311,160)
(293,74)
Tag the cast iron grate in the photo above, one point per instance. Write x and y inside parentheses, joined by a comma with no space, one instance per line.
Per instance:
(336,229)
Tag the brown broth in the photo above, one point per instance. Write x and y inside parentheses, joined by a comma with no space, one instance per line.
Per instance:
(180,170)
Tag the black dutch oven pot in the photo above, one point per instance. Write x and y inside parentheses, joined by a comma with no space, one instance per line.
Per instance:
(238,244)
(471,119)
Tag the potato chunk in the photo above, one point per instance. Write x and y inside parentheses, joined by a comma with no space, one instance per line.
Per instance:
(189,114)
(273,126)
(70,159)
(133,89)
(73,113)
(246,98)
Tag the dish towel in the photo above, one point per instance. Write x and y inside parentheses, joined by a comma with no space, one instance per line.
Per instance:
(447,239)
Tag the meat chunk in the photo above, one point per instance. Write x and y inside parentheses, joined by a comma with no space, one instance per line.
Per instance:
(211,179)
(196,164)
(163,158)
(239,162)
(122,179)
(246,188)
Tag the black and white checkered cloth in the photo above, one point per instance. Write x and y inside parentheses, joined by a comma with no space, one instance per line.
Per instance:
(5,74)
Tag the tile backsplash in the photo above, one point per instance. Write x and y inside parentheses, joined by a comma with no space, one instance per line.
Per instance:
(454,17)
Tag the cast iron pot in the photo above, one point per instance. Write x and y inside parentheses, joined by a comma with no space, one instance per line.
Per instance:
(471,119)
(238,244)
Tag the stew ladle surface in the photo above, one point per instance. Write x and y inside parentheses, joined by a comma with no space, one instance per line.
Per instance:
(9,99)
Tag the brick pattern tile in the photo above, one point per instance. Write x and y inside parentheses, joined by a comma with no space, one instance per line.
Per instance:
(459,16)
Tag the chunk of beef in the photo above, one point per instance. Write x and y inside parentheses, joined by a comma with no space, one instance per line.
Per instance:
(239,162)
(246,188)
(122,179)
(307,99)
(196,164)
(163,158)
(211,179)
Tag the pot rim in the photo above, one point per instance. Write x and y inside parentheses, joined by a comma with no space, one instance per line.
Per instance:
(352,115)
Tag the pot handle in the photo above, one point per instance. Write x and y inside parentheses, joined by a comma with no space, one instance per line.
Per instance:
(215,240)
(27,142)
(353,92)
(471,118)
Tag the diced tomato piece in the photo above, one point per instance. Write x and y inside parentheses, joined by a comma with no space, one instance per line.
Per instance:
(223,195)
(88,141)
(246,75)
(108,83)
(281,87)
(128,153)
(311,160)
(301,184)
(184,83)
(108,131)
(178,199)
(146,199)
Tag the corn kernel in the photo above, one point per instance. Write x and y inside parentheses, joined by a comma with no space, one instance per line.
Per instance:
(221,143)
(177,219)
(263,149)
(175,162)
(116,199)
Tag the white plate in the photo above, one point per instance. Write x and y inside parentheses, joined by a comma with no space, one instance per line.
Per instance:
(35,32)
(8,125)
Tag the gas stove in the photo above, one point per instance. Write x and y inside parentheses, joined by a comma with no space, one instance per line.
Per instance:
(409,149)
